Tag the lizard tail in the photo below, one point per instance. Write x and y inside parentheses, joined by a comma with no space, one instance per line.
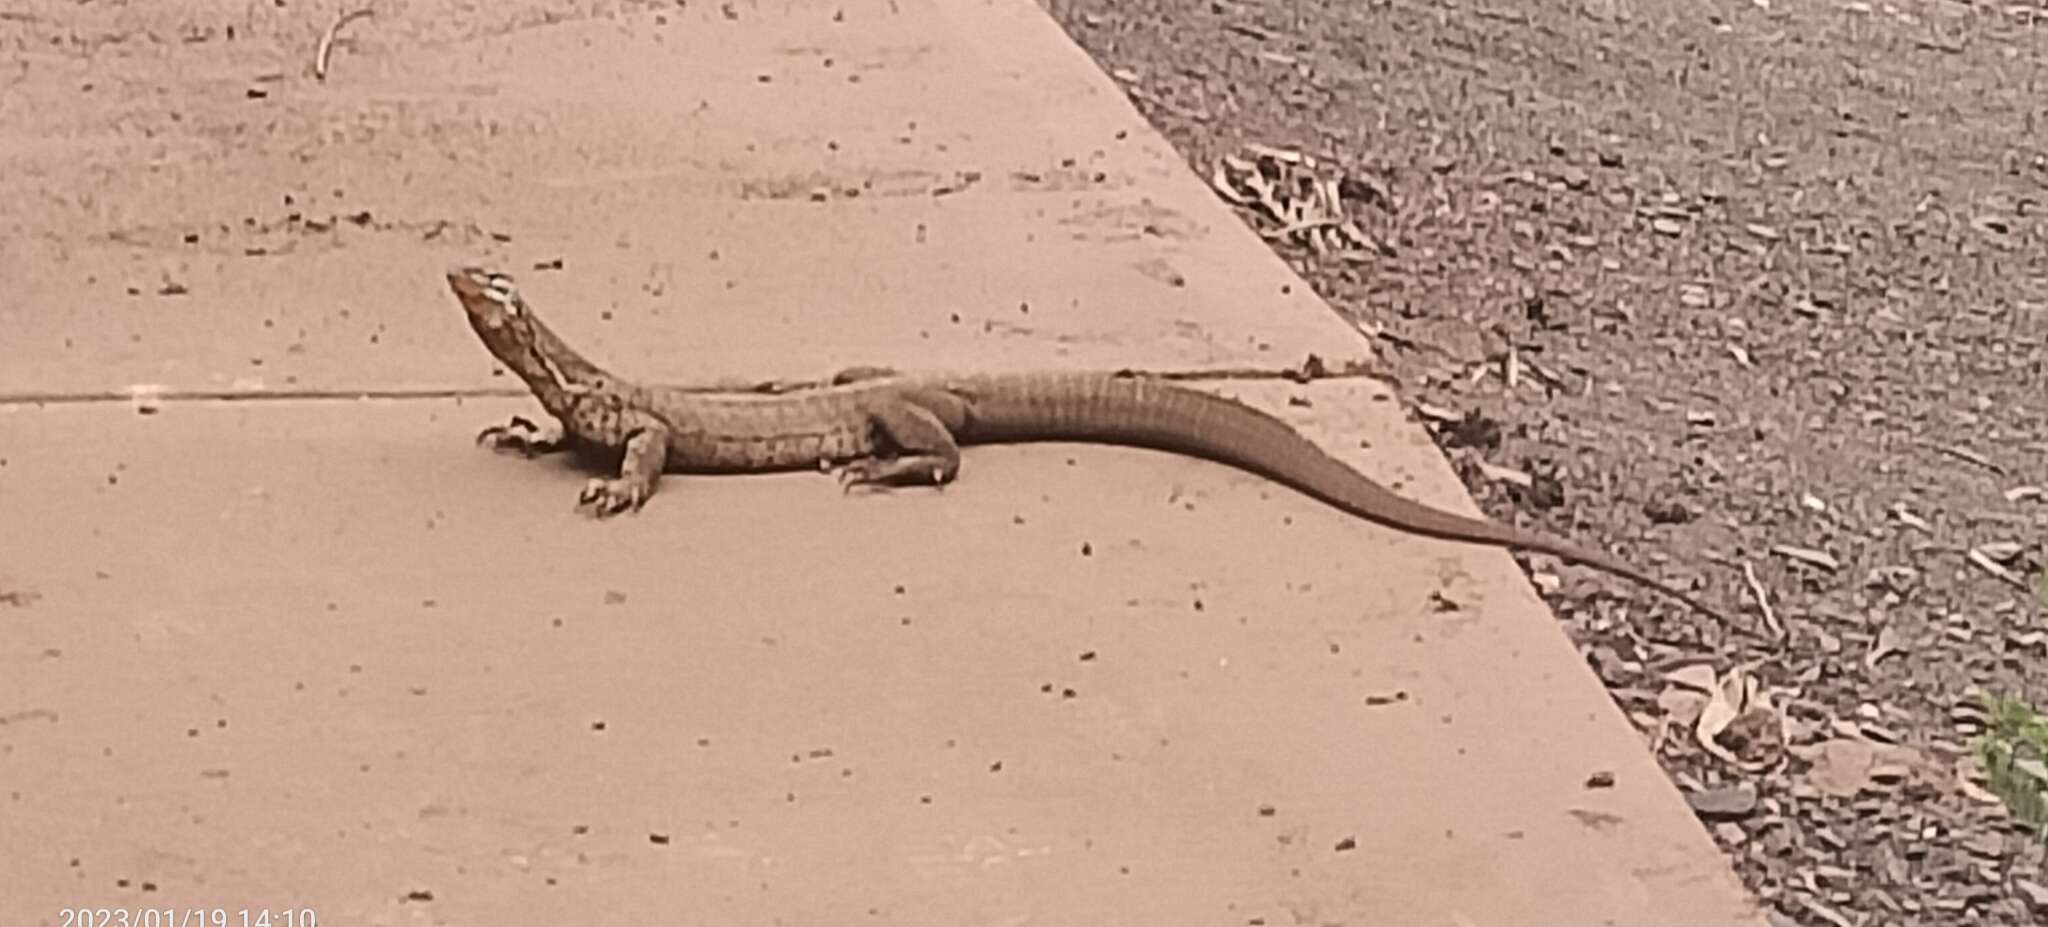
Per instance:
(1143,412)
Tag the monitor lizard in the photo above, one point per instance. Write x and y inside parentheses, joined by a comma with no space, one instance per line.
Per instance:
(883,428)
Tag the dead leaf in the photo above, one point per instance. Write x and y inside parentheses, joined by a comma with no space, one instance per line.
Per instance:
(1726,701)
(1826,913)
(1220,182)
(1900,511)
(1887,643)
(1989,564)
(1968,775)
(1699,677)
(1963,454)
(1681,706)
(1843,767)
(1808,555)
(1506,475)
(1435,412)
(2001,551)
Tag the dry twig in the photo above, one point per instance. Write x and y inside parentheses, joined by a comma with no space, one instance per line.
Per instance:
(325,50)
(1763,601)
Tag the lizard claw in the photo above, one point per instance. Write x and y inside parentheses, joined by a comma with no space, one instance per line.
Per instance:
(880,474)
(864,474)
(518,436)
(602,498)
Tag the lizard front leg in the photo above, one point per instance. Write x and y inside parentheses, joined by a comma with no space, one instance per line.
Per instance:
(640,468)
(521,436)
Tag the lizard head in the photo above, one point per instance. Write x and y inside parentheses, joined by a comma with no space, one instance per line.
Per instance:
(518,339)
(492,302)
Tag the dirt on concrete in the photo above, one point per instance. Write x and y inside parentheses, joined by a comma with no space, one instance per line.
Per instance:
(281,636)
(1754,289)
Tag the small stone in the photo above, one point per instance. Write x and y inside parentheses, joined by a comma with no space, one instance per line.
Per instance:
(1668,511)
(1723,803)
(1987,845)
(1826,914)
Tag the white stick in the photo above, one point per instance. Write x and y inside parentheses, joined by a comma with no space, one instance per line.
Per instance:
(326,49)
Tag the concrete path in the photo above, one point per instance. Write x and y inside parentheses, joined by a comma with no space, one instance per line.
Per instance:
(320,653)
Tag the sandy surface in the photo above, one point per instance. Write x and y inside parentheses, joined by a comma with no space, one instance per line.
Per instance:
(317,652)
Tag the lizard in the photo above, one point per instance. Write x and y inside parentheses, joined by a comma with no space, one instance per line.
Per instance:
(883,428)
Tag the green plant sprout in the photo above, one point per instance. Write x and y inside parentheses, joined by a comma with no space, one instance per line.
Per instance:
(2014,747)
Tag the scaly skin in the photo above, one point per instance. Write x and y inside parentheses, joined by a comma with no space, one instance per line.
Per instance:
(882,428)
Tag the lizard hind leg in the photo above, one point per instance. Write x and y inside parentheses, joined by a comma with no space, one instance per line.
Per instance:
(925,453)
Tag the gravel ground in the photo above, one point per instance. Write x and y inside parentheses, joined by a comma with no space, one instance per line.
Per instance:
(1751,292)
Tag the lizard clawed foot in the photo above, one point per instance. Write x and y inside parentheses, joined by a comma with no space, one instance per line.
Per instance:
(604,498)
(879,474)
(860,474)
(519,436)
